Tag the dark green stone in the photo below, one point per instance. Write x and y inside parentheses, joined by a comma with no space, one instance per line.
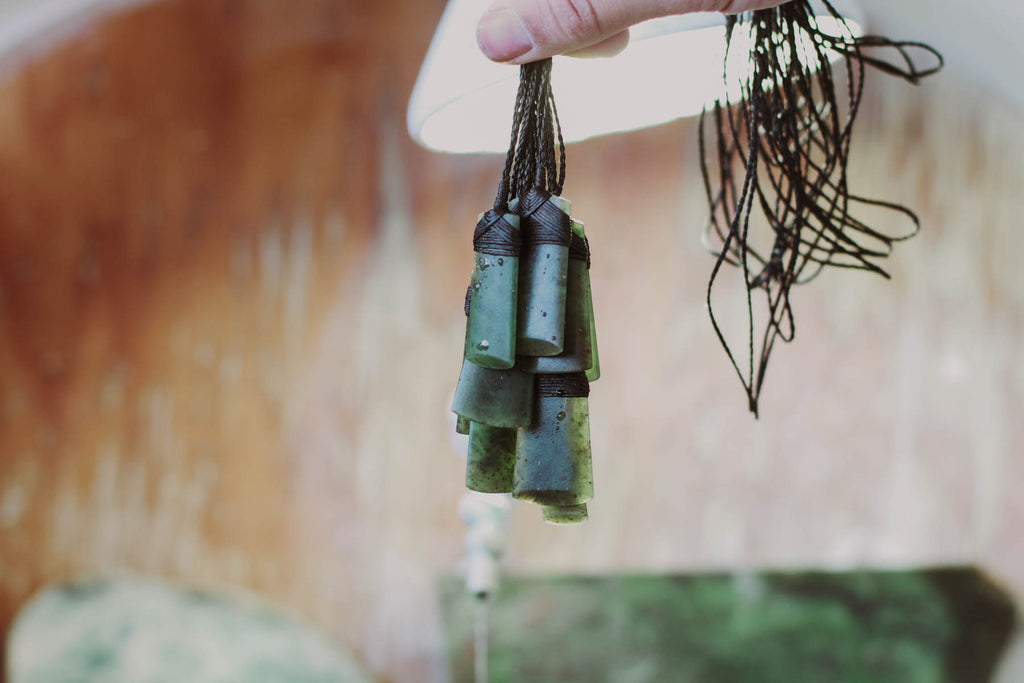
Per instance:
(492,459)
(462,424)
(594,371)
(565,514)
(543,279)
(491,328)
(576,355)
(498,398)
(553,460)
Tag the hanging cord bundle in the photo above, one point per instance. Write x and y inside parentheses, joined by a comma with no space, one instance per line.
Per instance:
(782,152)
(530,351)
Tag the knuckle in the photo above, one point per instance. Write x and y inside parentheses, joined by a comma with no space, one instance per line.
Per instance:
(577,21)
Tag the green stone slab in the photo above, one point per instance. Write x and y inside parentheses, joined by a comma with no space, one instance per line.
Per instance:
(939,626)
(492,459)
(553,455)
(129,630)
(566,514)
(491,328)
(577,348)
(498,398)
(543,281)
(544,276)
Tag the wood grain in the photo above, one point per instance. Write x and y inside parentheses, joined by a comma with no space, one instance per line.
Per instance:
(230,323)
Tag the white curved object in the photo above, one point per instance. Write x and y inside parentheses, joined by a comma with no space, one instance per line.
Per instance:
(672,68)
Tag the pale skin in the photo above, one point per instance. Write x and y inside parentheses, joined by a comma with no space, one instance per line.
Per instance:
(521,31)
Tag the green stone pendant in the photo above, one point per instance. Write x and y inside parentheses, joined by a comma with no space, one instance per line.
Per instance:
(543,274)
(577,354)
(491,329)
(553,457)
(497,398)
(594,371)
(492,459)
(565,514)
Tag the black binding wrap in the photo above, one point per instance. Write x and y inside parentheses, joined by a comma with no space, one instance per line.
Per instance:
(543,222)
(496,236)
(567,385)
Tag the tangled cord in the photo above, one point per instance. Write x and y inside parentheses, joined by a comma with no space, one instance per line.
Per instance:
(783,151)
(536,152)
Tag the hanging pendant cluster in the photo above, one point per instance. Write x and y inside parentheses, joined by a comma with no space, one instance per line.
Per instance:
(531,348)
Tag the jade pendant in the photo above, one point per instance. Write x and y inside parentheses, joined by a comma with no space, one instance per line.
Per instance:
(492,459)
(553,459)
(577,351)
(497,398)
(491,329)
(543,278)
(565,514)
(594,371)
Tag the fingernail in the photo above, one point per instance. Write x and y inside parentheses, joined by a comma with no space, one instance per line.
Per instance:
(502,36)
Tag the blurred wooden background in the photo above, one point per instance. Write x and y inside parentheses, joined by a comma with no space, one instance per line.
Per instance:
(230,323)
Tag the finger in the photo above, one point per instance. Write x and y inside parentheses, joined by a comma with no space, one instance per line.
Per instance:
(609,47)
(520,31)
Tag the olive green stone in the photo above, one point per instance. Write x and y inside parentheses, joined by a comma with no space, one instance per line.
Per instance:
(544,273)
(576,355)
(492,458)
(553,461)
(462,424)
(491,328)
(565,514)
(594,371)
(498,398)
(543,280)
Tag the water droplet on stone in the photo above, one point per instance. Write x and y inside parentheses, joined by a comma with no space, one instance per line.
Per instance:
(561,415)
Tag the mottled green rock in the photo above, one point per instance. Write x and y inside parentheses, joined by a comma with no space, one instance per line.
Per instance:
(492,459)
(491,328)
(130,630)
(462,424)
(577,349)
(565,514)
(553,458)
(543,280)
(497,398)
(594,371)
(937,626)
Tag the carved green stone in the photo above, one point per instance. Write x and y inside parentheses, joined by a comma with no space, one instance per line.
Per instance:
(594,371)
(492,459)
(565,514)
(543,279)
(577,350)
(491,328)
(462,424)
(498,398)
(553,458)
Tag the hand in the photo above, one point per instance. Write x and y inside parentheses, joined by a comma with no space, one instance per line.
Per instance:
(521,31)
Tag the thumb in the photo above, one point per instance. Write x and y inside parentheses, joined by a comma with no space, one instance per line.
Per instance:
(521,31)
